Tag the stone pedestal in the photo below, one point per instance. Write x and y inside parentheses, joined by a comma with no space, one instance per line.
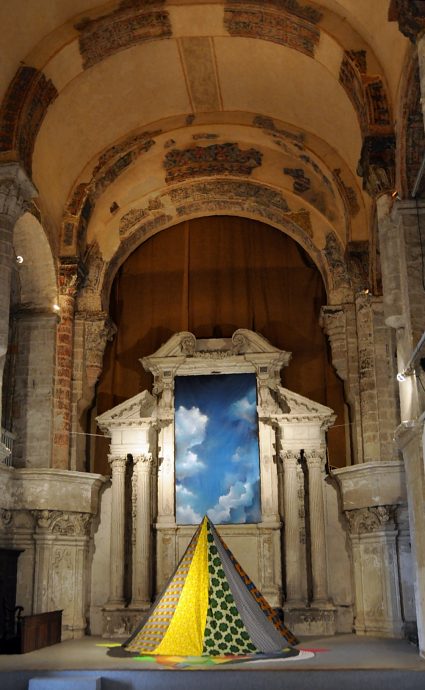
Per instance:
(376,578)
(371,494)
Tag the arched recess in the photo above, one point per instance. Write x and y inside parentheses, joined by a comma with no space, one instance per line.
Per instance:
(30,364)
(37,275)
(209,275)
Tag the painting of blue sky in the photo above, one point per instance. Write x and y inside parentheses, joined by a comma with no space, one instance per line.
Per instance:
(217,458)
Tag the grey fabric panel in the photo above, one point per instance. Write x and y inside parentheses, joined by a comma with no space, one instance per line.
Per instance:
(262,632)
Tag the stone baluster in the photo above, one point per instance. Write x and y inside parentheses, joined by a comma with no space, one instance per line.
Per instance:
(142,552)
(315,462)
(116,591)
(292,530)
(16,192)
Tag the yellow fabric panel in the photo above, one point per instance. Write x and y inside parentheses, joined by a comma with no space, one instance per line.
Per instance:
(185,634)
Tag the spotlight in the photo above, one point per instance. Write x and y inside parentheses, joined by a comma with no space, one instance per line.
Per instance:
(19,259)
(401,376)
(56,307)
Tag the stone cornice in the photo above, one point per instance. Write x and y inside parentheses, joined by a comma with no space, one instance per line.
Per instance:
(371,484)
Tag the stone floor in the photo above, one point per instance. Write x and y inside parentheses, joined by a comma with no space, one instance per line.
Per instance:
(339,652)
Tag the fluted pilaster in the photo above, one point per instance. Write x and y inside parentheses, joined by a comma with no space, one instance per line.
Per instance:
(142,552)
(116,591)
(315,462)
(292,529)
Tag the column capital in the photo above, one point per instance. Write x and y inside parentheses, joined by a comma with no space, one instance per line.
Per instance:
(316,459)
(289,458)
(71,276)
(143,462)
(372,519)
(118,463)
(16,190)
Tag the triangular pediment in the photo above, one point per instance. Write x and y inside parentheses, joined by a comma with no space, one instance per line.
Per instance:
(141,406)
(295,404)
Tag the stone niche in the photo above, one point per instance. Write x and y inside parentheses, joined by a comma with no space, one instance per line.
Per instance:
(285,553)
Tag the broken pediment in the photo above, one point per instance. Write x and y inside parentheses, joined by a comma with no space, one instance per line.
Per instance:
(245,351)
(295,406)
(130,412)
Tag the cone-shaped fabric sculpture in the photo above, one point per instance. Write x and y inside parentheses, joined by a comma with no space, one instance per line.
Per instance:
(210,606)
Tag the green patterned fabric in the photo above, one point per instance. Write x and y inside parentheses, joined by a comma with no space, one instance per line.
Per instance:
(225,632)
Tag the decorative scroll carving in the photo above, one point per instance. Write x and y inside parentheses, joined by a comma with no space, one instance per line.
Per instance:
(283,28)
(377,164)
(68,524)
(216,159)
(131,23)
(24,107)
(371,519)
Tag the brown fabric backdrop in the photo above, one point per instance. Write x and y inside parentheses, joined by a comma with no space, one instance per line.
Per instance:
(212,276)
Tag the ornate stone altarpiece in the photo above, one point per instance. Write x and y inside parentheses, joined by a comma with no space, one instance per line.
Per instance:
(291,429)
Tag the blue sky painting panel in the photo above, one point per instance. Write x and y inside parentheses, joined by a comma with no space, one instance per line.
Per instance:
(217,458)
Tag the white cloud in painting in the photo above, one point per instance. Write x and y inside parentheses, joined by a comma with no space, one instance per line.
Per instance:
(186,515)
(183,492)
(239,496)
(190,432)
(244,409)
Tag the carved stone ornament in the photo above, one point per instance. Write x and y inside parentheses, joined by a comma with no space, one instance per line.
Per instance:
(68,524)
(44,518)
(6,518)
(315,459)
(410,15)
(118,464)
(377,164)
(373,519)
(144,462)
(16,191)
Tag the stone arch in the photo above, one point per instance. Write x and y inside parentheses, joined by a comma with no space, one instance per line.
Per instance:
(329,259)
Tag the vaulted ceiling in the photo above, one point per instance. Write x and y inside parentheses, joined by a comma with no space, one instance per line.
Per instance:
(132,115)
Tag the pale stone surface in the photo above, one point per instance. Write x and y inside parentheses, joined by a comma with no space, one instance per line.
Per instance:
(48,513)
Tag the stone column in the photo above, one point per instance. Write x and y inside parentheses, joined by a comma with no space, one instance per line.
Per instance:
(142,554)
(34,386)
(376,576)
(92,330)
(292,530)
(68,285)
(16,192)
(315,464)
(116,596)
(340,325)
